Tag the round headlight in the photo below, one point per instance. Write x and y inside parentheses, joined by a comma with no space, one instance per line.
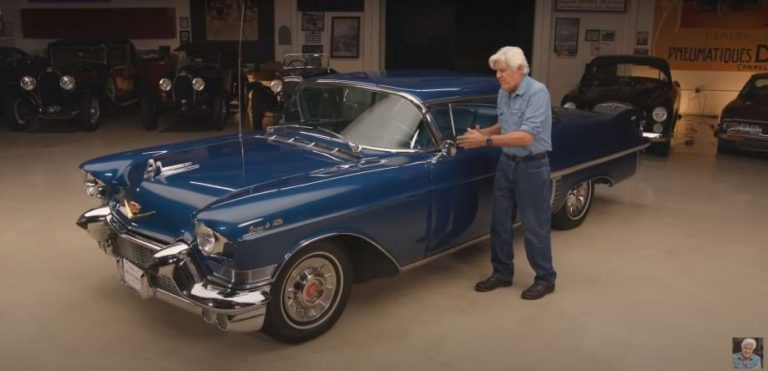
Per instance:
(657,128)
(165,84)
(28,83)
(209,242)
(67,82)
(659,114)
(570,105)
(276,86)
(198,84)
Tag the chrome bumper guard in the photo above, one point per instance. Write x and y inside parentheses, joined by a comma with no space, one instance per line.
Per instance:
(237,311)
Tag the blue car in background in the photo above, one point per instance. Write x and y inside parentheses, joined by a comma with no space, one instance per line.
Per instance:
(268,230)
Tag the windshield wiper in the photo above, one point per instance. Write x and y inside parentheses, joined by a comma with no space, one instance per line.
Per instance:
(314,125)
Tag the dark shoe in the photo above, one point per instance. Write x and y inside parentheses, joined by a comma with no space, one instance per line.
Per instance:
(538,290)
(491,283)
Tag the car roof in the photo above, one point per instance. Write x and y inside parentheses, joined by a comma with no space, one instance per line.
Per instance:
(425,85)
(760,75)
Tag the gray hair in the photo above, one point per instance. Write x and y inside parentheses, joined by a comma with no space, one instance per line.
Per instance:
(750,342)
(510,56)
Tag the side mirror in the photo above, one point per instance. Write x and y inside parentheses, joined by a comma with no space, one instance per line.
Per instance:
(676,84)
(447,149)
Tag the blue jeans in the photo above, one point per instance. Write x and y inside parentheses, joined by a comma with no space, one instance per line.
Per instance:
(522,186)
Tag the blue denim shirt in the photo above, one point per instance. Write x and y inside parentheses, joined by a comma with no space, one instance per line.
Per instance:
(528,109)
(740,362)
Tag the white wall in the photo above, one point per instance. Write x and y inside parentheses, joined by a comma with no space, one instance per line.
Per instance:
(371,29)
(11,13)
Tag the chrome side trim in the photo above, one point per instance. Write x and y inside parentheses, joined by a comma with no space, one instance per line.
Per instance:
(446,252)
(560,173)
(141,242)
(479,99)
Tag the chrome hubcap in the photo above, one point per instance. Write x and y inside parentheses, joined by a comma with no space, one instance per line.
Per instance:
(576,201)
(94,111)
(310,290)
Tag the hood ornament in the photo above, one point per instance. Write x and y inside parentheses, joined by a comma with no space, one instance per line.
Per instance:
(155,169)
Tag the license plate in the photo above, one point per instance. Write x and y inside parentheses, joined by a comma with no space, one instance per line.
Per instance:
(132,275)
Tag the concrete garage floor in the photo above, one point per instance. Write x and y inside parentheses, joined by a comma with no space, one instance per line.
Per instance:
(668,267)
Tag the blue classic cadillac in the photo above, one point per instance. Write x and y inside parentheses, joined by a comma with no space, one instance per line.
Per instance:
(362,179)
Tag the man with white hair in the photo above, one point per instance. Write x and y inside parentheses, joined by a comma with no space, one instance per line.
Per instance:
(522,182)
(747,358)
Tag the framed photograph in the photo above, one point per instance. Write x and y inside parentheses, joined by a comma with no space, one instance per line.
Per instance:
(185,37)
(592,35)
(566,37)
(642,38)
(608,35)
(641,51)
(591,5)
(184,22)
(312,21)
(345,37)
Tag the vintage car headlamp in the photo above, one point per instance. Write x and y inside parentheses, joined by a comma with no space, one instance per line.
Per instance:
(659,114)
(209,241)
(28,83)
(198,84)
(276,86)
(570,105)
(67,82)
(657,128)
(165,84)
(93,186)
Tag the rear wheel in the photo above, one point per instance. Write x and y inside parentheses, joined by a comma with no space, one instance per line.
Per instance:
(575,208)
(18,113)
(309,294)
(90,112)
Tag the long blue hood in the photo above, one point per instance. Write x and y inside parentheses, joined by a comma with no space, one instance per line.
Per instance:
(200,175)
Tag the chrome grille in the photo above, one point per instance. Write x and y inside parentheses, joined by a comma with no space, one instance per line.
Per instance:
(182,88)
(137,254)
(754,128)
(612,107)
(50,91)
(164,283)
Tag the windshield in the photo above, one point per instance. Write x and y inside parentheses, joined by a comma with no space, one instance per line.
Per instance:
(364,117)
(67,55)
(756,86)
(626,70)
(299,60)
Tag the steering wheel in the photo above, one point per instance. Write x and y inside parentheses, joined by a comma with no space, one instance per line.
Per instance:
(296,63)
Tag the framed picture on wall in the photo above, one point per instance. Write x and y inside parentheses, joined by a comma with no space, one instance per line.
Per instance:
(312,21)
(608,35)
(185,37)
(592,35)
(184,22)
(312,49)
(345,37)
(566,37)
(642,38)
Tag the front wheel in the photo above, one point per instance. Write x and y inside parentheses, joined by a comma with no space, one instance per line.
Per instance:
(90,112)
(575,208)
(309,294)
(219,112)
(149,112)
(18,113)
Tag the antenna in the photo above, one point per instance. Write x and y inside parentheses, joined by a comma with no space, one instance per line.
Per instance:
(240,84)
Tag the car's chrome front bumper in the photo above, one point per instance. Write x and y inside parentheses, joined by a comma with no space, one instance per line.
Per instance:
(172,276)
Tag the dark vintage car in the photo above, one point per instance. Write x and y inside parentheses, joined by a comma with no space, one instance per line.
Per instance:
(296,68)
(79,78)
(362,179)
(612,83)
(204,83)
(743,122)
(13,64)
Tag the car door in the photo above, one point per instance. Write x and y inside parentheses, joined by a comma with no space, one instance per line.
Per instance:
(462,185)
